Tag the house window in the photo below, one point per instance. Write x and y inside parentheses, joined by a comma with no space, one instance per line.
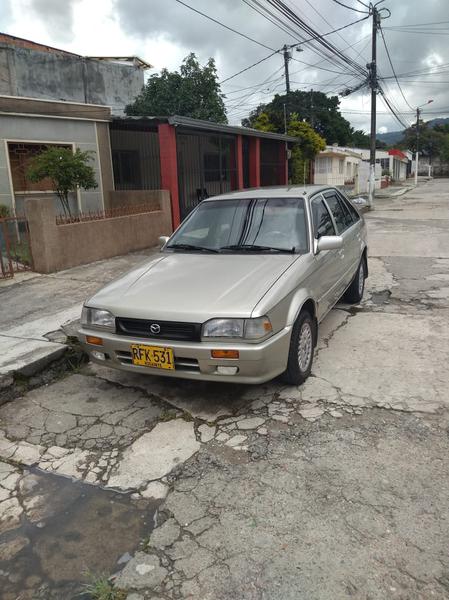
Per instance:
(385,163)
(341,166)
(20,157)
(126,165)
(324,165)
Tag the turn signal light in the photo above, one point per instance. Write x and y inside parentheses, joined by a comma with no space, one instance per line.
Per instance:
(93,339)
(224,353)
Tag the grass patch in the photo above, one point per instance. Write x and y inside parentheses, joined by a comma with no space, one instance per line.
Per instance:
(100,588)
(168,415)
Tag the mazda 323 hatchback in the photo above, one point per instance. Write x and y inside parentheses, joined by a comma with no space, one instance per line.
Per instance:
(237,292)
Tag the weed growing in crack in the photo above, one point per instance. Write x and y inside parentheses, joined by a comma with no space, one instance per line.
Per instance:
(167,415)
(100,588)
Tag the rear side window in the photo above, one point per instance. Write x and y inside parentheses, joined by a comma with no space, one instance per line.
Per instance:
(349,207)
(342,217)
(322,222)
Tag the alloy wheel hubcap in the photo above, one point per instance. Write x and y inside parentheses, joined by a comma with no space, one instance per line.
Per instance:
(305,346)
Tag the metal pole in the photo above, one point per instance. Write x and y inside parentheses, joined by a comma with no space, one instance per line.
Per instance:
(373,84)
(417,146)
(311,108)
(287,75)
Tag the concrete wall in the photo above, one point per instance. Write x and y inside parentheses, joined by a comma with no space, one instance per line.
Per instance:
(85,135)
(35,74)
(56,247)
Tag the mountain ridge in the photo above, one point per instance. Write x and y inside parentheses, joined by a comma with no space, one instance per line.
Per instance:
(391,137)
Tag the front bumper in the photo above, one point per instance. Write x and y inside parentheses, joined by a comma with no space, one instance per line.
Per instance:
(257,363)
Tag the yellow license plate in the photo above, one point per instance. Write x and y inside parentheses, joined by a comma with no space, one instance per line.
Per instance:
(152,356)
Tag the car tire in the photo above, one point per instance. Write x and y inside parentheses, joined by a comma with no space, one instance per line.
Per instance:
(354,293)
(300,355)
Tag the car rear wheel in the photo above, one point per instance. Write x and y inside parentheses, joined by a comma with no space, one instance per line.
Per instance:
(354,293)
(300,356)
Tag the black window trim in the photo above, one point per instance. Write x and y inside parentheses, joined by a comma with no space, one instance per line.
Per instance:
(336,193)
(346,202)
(320,196)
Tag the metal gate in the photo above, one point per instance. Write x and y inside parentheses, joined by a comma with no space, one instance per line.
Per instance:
(15,247)
(206,167)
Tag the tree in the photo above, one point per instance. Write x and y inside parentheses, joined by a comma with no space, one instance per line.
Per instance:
(66,170)
(430,143)
(360,139)
(309,143)
(319,110)
(193,91)
(262,123)
(308,146)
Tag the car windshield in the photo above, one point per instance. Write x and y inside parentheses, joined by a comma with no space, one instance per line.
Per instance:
(244,225)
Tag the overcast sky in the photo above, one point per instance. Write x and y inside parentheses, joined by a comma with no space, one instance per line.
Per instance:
(163,32)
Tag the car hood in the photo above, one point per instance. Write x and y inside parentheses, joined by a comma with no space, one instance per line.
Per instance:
(193,287)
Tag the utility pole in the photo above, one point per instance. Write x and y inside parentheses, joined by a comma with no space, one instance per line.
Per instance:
(286,61)
(286,52)
(311,108)
(418,112)
(372,68)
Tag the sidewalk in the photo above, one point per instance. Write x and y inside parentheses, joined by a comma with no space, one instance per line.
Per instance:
(37,310)
(392,192)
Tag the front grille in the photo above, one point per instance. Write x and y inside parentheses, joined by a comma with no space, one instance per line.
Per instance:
(169,330)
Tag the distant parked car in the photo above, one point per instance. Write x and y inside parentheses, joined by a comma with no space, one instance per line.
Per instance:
(237,292)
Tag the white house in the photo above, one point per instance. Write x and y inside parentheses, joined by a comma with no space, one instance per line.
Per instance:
(393,162)
(337,166)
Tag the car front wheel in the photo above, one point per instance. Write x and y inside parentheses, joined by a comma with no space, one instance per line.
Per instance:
(300,356)
(354,293)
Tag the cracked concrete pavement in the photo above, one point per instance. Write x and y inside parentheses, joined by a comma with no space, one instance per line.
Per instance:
(336,489)
(33,331)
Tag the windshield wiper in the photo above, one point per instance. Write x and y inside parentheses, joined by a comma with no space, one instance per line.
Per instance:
(255,248)
(191,247)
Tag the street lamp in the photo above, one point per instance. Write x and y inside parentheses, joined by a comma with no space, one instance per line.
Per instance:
(418,112)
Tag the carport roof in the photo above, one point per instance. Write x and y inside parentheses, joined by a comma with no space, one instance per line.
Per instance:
(190,123)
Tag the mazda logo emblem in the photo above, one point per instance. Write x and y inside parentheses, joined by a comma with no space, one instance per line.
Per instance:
(155,328)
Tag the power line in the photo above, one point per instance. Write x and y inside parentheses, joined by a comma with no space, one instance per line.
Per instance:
(272,18)
(420,24)
(223,25)
(249,67)
(350,7)
(286,26)
(392,68)
(419,31)
(393,111)
(320,45)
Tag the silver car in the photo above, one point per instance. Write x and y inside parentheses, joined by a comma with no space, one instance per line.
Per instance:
(237,292)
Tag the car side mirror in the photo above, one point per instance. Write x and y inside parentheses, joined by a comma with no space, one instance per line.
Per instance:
(329,242)
(163,239)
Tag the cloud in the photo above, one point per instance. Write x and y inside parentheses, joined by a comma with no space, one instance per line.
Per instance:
(189,31)
(57,17)
(5,14)
(164,31)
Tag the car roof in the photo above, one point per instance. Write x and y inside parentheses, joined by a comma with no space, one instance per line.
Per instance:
(293,191)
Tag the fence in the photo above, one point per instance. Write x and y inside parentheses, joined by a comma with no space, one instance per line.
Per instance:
(110,213)
(15,247)
(63,242)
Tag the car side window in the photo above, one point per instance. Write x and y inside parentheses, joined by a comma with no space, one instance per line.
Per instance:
(352,211)
(343,219)
(322,222)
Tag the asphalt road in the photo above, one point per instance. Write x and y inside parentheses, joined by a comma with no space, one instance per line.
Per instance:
(337,489)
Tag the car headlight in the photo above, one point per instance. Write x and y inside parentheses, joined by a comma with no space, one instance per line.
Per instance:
(251,329)
(96,317)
